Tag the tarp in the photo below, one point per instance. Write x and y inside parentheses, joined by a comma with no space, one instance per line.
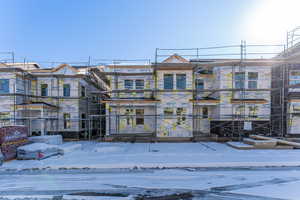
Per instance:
(38,151)
(11,137)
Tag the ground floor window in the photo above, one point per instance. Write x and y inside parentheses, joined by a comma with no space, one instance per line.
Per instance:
(139,119)
(181,112)
(204,112)
(67,121)
(83,121)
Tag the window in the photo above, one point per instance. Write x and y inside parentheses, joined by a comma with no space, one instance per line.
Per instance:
(44,90)
(253,111)
(128,114)
(180,81)
(66,90)
(168,81)
(295,77)
(83,121)
(204,112)
(252,80)
(139,84)
(168,111)
(128,84)
(82,91)
(139,116)
(67,121)
(239,110)
(199,84)
(180,112)
(4,85)
(239,80)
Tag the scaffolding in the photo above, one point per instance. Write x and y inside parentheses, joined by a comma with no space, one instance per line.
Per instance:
(24,104)
(231,124)
(108,111)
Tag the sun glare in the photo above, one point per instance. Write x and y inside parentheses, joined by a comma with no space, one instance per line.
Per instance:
(270,20)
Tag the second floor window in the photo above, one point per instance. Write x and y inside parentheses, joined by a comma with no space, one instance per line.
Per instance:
(252,80)
(128,84)
(204,112)
(139,84)
(294,77)
(82,91)
(239,80)
(180,81)
(44,90)
(199,84)
(168,81)
(4,85)
(66,90)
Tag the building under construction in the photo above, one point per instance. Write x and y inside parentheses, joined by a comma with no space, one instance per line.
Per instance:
(184,95)
(59,100)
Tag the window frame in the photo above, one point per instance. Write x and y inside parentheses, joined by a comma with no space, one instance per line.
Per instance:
(130,87)
(180,80)
(168,83)
(4,89)
(44,88)
(139,87)
(67,120)
(139,116)
(240,80)
(252,80)
(67,94)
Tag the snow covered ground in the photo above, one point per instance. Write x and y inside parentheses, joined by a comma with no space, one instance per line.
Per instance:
(210,170)
(158,155)
(254,184)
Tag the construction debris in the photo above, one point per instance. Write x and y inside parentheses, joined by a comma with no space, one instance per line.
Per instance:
(262,142)
(37,151)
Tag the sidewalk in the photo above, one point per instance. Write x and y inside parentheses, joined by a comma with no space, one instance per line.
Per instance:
(159,155)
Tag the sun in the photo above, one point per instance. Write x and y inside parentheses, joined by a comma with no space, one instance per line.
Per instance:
(270,20)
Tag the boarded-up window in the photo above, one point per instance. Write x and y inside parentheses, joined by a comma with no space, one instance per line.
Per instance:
(4,85)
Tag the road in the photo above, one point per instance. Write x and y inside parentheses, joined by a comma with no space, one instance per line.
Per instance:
(188,183)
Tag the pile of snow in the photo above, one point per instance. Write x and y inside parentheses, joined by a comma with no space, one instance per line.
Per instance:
(48,139)
(37,151)
(70,147)
(108,149)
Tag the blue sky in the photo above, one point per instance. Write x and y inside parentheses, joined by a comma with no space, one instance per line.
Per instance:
(73,30)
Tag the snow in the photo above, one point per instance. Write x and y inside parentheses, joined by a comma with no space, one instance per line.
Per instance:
(48,139)
(36,147)
(158,155)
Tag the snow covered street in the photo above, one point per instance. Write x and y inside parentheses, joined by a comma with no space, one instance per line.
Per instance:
(258,184)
